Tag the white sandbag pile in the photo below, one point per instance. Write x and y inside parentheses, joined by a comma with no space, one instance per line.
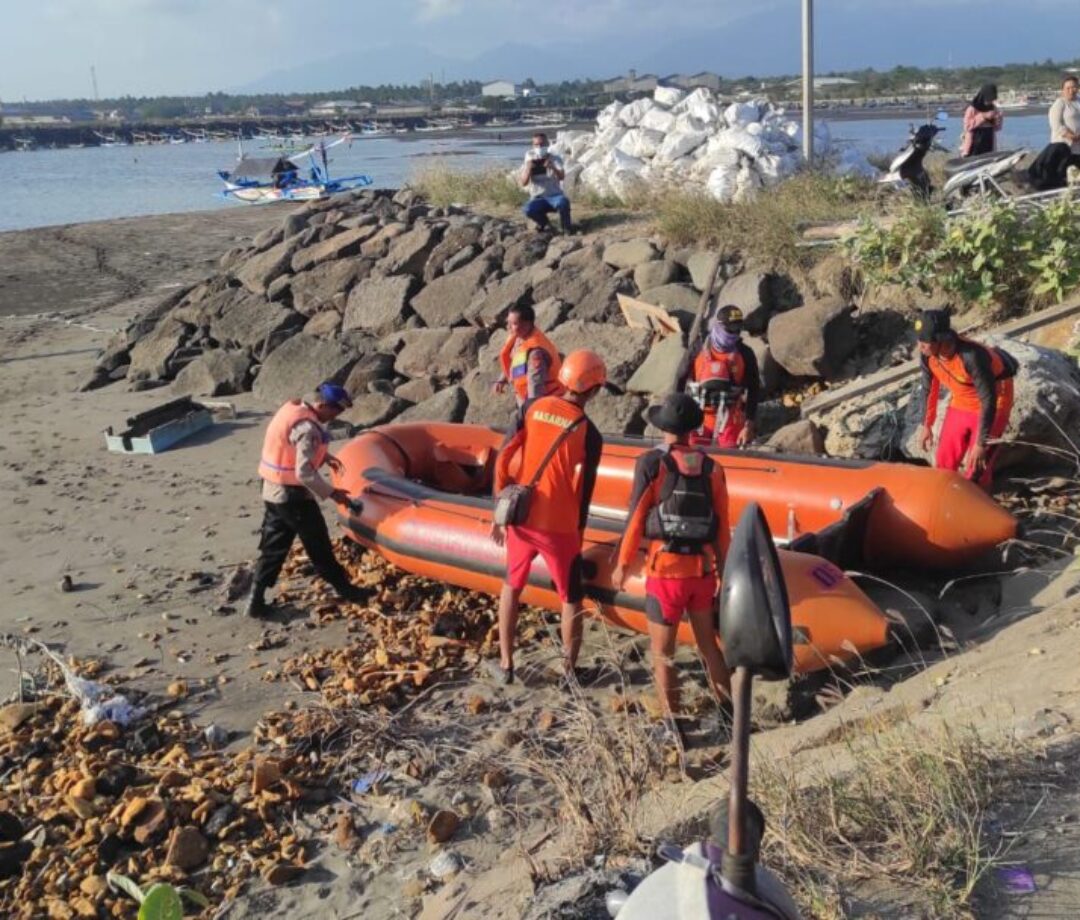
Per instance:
(683,139)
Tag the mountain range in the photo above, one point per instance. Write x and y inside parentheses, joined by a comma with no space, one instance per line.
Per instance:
(846,38)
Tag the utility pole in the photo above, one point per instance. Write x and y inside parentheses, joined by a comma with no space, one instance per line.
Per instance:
(93,80)
(808,79)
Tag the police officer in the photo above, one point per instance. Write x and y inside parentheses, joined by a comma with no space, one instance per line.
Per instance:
(731,408)
(294,449)
(530,363)
(979,379)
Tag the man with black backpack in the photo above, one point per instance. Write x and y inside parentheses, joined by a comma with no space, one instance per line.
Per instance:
(679,503)
(979,380)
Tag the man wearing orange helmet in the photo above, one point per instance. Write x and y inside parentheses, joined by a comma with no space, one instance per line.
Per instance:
(560,453)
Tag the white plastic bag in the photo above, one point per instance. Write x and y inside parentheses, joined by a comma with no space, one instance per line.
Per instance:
(721,183)
(742,113)
(658,120)
(642,143)
(667,96)
(679,144)
(608,116)
(630,116)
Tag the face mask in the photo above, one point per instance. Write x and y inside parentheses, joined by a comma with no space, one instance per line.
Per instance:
(540,151)
(722,340)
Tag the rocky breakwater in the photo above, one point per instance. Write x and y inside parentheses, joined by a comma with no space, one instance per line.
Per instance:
(693,141)
(404,303)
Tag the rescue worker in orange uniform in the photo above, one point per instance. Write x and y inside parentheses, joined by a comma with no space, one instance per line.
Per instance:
(724,379)
(528,359)
(559,506)
(294,449)
(979,379)
(679,504)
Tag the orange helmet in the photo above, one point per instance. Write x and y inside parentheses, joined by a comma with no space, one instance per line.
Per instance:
(582,370)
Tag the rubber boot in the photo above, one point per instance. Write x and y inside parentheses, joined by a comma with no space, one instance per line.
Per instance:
(256,606)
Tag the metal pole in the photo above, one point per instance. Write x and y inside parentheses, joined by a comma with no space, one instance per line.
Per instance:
(808,79)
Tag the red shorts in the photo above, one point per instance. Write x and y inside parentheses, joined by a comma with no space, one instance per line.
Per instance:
(667,599)
(561,553)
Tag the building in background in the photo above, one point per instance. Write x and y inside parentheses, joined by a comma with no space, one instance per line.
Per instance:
(502,89)
(632,83)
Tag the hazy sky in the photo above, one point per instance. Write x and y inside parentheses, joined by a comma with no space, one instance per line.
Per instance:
(146,47)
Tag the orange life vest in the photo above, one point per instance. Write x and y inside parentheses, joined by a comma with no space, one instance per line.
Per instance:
(278,463)
(557,495)
(720,365)
(514,359)
(953,375)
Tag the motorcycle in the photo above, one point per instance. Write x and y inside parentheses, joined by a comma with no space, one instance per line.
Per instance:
(720,879)
(907,166)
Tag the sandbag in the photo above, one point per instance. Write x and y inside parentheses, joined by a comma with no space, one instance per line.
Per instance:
(679,144)
(742,113)
(721,183)
(630,115)
(642,143)
(608,116)
(667,96)
(658,120)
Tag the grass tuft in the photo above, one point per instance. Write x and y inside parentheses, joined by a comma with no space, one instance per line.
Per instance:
(442,187)
(765,229)
(911,816)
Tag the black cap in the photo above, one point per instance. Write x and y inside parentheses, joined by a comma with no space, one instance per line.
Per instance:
(730,317)
(678,414)
(933,326)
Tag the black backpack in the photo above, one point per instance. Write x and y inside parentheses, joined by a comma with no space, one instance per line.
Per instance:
(684,516)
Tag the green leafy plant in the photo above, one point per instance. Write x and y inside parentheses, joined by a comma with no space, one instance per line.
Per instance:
(995,256)
(160,901)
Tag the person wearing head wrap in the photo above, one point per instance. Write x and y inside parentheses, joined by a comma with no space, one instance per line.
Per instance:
(982,120)
(725,357)
(979,379)
(295,448)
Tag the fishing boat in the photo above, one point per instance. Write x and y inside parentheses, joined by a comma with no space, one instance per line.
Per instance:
(261,180)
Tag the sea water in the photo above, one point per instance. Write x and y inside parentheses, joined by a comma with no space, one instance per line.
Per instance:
(47,187)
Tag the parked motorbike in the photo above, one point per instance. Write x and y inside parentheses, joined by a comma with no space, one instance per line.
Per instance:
(720,878)
(907,166)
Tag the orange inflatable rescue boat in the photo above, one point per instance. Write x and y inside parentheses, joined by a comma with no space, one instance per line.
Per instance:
(425,504)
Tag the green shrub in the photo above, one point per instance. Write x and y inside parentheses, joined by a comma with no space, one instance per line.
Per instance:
(995,256)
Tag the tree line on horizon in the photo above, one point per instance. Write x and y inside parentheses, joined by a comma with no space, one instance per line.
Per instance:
(870,83)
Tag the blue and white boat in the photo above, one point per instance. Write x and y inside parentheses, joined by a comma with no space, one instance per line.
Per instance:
(261,180)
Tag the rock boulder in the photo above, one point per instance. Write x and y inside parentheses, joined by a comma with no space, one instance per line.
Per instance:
(813,340)
(340,245)
(801,437)
(253,322)
(439,352)
(409,253)
(256,272)
(623,349)
(301,364)
(648,275)
(379,305)
(448,405)
(150,355)
(214,373)
(629,253)
(313,290)
(445,301)
(656,375)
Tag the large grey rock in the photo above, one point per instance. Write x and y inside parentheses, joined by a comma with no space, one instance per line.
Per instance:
(214,373)
(416,391)
(254,322)
(150,355)
(271,236)
(586,283)
(675,298)
(523,253)
(485,406)
(700,265)
(370,409)
(409,252)
(656,375)
(751,292)
(340,245)
(379,244)
(379,305)
(623,349)
(439,352)
(294,224)
(550,312)
(801,437)
(314,290)
(445,301)
(491,309)
(257,272)
(454,241)
(359,220)
(448,405)
(656,274)
(628,253)
(770,373)
(372,366)
(617,414)
(326,324)
(813,340)
(301,364)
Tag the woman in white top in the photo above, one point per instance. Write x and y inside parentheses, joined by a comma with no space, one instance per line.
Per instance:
(1065,116)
